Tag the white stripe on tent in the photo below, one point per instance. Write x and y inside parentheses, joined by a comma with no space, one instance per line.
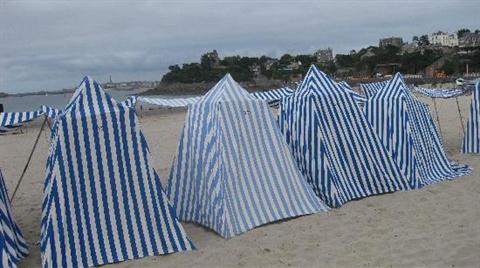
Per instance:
(13,246)
(471,140)
(232,171)
(439,92)
(371,89)
(103,201)
(408,131)
(334,145)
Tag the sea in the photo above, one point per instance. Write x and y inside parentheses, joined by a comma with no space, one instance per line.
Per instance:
(33,102)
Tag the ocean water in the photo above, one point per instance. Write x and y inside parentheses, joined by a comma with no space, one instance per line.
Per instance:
(33,102)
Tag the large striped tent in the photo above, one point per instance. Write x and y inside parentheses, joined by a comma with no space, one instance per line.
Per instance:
(334,145)
(13,246)
(372,88)
(408,131)
(103,201)
(232,171)
(471,140)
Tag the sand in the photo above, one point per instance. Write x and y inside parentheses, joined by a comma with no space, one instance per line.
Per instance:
(437,226)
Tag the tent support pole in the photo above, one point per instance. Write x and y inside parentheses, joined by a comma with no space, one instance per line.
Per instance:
(436,112)
(28,161)
(460,114)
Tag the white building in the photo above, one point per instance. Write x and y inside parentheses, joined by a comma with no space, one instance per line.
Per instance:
(443,39)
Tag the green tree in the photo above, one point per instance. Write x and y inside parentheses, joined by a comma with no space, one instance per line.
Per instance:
(461,32)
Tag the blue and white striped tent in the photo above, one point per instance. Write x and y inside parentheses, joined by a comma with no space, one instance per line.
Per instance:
(50,112)
(103,201)
(408,131)
(232,171)
(439,92)
(334,145)
(169,103)
(371,89)
(12,119)
(471,140)
(273,95)
(130,101)
(356,96)
(13,246)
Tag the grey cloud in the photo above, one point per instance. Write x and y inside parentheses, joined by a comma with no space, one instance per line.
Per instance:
(52,44)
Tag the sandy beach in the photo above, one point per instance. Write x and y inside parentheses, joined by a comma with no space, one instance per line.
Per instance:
(437,226)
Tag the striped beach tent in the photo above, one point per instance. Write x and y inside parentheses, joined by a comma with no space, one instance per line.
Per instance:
(130,101)
(444,93)
(103,201)
(471,140)
(371,89)
(50,112)
(232,171)
(334,145)
(13,246)
(169,103)
(12,119)
(408,131)
(273,95)
(356,96)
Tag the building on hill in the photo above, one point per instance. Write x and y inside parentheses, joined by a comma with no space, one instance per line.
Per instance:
(443,39)
(434,69)
(324,55)
(470,40)
(391,41)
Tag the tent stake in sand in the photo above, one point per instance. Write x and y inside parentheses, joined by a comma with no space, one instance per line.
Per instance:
(28,161)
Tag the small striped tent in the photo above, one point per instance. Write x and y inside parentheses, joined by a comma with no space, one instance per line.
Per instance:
(371,89)
(13,246)
(334,145)
(169,103)
(130,101)
(439,92)
(50,112)
(273,95)
(103,201)
(232,171)
(12,119)
(471,140)
(408,131)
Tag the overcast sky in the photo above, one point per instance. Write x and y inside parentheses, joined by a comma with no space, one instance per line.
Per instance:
(50,45)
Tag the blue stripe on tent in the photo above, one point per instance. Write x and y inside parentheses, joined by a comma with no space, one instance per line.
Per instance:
(232,171)
(371,89)
(118,210)
(408,131)
(471,140)
(439,92)
(333,144)
(13,246)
